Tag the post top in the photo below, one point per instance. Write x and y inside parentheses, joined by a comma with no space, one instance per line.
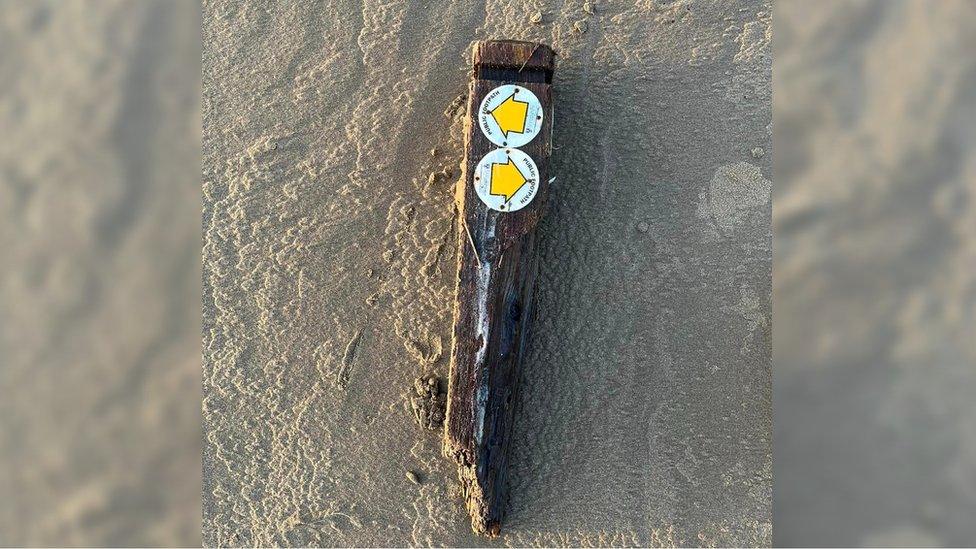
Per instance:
(514,54)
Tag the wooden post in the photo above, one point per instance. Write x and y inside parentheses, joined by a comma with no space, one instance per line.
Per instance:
(501,196)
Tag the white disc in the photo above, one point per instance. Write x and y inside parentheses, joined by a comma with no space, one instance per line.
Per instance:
(510,116)
(506,180)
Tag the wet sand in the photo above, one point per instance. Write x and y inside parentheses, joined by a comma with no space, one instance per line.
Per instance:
(99,274)
(875,273)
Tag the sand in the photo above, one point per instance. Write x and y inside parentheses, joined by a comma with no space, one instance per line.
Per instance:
(329,256)
(99,274)
(875,273)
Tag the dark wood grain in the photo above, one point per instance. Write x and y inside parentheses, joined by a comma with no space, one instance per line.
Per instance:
(496,274)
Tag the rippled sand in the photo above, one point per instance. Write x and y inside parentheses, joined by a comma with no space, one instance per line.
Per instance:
(875,273)
(99,274)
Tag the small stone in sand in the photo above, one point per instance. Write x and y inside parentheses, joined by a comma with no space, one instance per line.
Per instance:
(537,18)
(388,256)
(433,152)
(580,26)
(643,227)
(588,8)
(758,152)
(414,477)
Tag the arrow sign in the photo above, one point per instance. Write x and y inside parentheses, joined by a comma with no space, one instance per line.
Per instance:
(510,115)
(503,174)
(506,180)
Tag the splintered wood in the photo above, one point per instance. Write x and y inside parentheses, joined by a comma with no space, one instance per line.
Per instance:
(501,197)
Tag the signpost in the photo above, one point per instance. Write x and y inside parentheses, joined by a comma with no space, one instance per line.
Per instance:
(501,197)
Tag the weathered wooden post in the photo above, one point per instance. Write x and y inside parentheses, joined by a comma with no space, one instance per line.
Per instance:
(501,196)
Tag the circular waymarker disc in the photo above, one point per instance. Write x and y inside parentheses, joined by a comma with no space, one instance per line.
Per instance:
(506,180)
(510,116)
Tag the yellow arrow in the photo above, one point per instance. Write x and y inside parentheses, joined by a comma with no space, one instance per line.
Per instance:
(510,115)
(506,180)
